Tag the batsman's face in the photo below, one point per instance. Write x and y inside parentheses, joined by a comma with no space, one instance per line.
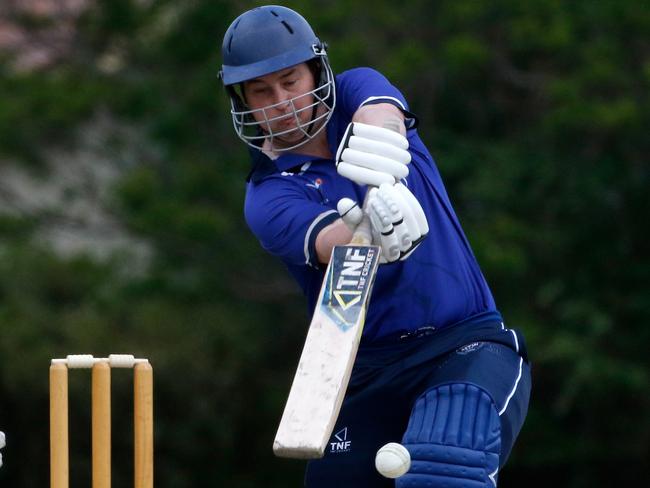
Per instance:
(282,102)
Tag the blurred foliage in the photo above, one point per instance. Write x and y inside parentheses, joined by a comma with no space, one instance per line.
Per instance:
(537,113)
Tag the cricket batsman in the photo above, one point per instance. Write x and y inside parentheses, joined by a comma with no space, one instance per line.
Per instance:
(437,369)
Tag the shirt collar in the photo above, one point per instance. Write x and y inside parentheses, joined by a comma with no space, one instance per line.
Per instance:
(263,166)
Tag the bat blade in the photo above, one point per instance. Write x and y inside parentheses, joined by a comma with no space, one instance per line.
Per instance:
(328,354)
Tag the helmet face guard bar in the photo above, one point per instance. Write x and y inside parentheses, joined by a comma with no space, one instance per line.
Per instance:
(255,130)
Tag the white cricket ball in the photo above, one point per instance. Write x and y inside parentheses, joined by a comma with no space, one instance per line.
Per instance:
(393,460)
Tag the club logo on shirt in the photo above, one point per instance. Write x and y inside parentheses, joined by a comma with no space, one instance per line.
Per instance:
(340,442)
(315,183)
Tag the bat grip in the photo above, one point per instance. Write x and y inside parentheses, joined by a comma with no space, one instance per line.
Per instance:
(363,233)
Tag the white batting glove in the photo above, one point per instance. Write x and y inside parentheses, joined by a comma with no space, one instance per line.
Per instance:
(371,155)
(2,444)
(398,221)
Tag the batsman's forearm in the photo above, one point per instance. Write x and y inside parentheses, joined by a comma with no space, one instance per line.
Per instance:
(335,234)
(381,115)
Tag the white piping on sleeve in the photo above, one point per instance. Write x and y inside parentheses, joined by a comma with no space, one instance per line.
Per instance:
(372,99)
(309,231)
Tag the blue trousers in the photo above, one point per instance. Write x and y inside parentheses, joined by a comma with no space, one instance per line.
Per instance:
(388,379)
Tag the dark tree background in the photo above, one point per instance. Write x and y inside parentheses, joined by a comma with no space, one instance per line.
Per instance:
(538,115)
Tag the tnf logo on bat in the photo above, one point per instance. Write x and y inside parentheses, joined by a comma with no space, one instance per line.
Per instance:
(340,442)
(349,283)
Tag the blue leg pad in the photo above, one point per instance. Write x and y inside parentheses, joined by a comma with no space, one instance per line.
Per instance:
(454,438)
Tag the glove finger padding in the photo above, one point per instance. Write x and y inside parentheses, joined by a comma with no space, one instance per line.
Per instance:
(383,219)
(387,149)
(377,133)
(375,162)
(393,204)
(414,205)
(363,176)
(419,216)
(398,221)
(370,155)
(410,224)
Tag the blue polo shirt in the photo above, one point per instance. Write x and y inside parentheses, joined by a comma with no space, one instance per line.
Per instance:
(289,200)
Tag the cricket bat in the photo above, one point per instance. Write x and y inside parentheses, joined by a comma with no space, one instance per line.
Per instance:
(330,349)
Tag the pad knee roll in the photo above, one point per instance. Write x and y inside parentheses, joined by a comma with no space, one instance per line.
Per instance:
(454,438)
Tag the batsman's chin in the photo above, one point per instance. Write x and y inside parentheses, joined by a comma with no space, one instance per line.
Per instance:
(283,143)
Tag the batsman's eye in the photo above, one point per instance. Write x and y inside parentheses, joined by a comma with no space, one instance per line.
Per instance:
(260,91)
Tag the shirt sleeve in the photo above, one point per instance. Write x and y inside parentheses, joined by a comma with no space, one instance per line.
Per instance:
(366,86)
(286,220)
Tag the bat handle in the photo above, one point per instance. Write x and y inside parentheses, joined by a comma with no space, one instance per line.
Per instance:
(363,233)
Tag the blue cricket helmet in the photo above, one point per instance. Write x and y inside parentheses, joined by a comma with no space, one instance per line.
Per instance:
(264,40)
